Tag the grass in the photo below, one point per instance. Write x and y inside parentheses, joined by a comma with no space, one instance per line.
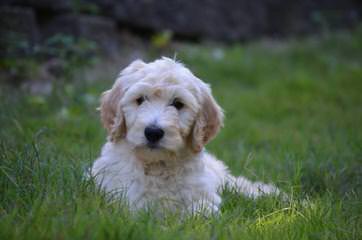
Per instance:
(293,117)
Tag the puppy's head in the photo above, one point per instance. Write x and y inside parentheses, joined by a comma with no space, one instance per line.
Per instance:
(161,109)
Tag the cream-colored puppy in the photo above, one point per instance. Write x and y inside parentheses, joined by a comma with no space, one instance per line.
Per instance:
(159,117)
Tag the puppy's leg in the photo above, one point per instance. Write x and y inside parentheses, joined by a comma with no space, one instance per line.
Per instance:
(249,188)
(205,207)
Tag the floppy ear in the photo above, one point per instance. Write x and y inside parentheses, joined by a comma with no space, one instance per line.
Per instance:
(208,122)
(111,113)
(110,108)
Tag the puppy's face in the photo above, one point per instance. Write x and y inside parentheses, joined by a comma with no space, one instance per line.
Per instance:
(161,109)
(158,114)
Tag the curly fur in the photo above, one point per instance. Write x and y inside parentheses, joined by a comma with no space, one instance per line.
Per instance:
(179,175)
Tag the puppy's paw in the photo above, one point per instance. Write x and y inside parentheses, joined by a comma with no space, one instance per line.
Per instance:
(260,189)
(255,189)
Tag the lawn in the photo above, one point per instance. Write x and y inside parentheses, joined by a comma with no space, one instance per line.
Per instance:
(293,117)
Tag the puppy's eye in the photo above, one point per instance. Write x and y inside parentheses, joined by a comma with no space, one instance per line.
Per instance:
(140,100)
(177,104)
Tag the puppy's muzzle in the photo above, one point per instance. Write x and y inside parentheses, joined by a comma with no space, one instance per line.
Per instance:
(153,135)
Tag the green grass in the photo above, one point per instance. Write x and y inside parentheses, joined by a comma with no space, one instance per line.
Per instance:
(293,117)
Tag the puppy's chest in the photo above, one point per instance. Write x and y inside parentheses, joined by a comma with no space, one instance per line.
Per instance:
(162,180)
(167,185)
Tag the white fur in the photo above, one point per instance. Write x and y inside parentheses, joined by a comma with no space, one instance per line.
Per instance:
(179,175)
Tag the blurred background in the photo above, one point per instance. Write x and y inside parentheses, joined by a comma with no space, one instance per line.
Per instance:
(45,40)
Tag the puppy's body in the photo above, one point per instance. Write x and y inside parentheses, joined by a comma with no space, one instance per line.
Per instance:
(192,185)
(159,116)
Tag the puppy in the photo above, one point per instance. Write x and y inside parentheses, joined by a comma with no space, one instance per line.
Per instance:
(159,117)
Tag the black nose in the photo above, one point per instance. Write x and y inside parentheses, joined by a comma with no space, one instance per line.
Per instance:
(153,134)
